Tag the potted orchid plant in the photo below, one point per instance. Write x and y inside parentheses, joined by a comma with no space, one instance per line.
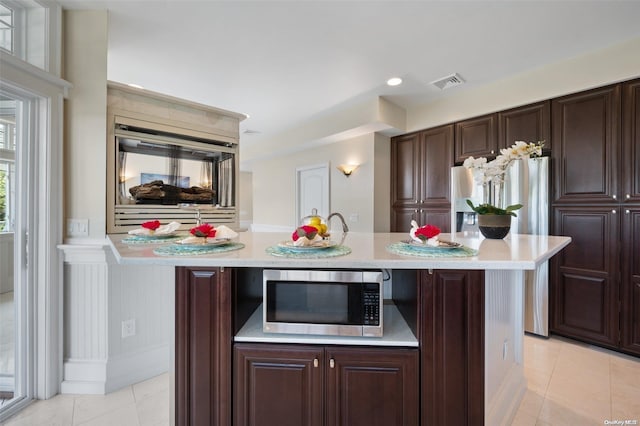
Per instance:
(491,175)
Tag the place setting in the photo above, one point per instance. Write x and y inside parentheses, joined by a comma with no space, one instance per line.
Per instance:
(310,241)
(203,239)
(424,241)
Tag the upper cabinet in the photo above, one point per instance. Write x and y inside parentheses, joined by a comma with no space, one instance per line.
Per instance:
(420,178)
(476,137)
(631,141)
(585,130)
(529,123)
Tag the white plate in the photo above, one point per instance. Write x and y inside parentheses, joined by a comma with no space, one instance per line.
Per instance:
(442,245)
(209,243)
(324,244)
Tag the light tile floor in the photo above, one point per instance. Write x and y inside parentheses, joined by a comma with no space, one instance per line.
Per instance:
(569,383)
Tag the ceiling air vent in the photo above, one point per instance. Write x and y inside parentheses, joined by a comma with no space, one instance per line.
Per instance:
(448,81)
(251,132)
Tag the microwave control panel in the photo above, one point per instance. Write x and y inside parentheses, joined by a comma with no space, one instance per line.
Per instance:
(371,305)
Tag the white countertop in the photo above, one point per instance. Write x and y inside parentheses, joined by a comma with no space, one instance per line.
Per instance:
(368,250)
(396,333)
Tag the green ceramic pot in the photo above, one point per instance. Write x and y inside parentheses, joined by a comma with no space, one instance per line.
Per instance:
(494,226)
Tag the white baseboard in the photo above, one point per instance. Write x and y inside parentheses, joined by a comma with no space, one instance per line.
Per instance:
(102,377)
(84,377)
(128,369)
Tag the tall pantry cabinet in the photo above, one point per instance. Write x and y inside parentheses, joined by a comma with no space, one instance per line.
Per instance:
(595,283)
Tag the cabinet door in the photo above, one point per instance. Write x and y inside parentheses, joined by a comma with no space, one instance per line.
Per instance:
(476,137)
(372,387)
(585,131)
(278,385)
(439,216)
(530,123)
(631,142)
(584,284)
(452,347)
(631,280)
(405,170)
(437,160)
(203,346)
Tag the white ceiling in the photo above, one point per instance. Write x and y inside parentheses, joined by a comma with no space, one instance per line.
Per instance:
(288,63)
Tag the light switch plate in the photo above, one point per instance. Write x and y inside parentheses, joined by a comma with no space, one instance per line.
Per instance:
(77,227)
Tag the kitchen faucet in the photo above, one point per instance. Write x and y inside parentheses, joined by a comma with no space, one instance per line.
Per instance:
(345,228)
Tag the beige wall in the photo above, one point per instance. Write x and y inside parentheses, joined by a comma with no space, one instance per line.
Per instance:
(616,63)
(85,66)
(274,200)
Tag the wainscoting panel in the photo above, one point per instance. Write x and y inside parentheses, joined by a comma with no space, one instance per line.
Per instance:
(99,295)
(504,308)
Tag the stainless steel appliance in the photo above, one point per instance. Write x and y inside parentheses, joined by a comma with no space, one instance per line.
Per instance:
(526,183)
(342,303)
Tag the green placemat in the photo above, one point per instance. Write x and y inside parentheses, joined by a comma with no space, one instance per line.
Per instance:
(412,250)
(308,254)
(135,239)
(176,250)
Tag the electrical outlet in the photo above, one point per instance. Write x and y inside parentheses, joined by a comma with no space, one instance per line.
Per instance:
(128,328)
(77,227)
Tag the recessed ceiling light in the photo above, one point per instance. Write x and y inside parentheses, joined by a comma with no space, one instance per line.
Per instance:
(395,81)
(136,86)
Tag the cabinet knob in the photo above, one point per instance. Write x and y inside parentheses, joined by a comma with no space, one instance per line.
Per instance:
(627,196)
(615,197)
(627,211)
(614,211)
(315,362)
(493,151)
(421,201)
(332,363)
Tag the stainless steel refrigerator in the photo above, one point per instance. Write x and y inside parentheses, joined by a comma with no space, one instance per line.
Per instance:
(526,183)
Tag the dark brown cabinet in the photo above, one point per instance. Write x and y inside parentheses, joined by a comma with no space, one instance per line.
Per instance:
(631,281)
(452,347)
(631,142)
(529,123)
(203,346)
(300,385)
(420,178)
(596,152)
(586,146)
(477,137)
(585,282)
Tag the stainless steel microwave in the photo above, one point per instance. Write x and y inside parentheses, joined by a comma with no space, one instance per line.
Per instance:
(341,303)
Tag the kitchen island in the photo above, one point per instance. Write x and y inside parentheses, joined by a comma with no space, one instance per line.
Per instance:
(461,364)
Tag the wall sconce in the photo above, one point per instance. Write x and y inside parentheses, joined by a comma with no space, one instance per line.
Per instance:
(347,169)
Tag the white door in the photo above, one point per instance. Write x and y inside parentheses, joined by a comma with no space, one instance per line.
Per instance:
(312,190)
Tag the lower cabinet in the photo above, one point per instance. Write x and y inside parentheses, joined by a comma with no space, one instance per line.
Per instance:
(203,346)
(631,281)
(297,385)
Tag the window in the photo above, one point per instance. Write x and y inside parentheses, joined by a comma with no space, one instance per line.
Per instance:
(7,173)
(6,28)
(23,32)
